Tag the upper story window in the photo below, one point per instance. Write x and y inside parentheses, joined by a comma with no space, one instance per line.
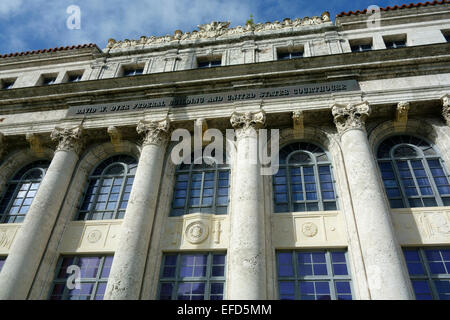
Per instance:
(289,53)
(108,189)
(7,83)
(48,80)
(20,192)
(429,269)
(359,45)
(94,273)
(304,181)
(395,41)
(413,173)
(128,72)
(201,188)
(209,62)
(74,78)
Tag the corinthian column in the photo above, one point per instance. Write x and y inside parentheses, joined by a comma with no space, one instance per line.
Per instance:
(386,271)
(246,254)
(127,271)
(27,249)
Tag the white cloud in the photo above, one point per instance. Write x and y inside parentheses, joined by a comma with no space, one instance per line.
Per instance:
(8,7)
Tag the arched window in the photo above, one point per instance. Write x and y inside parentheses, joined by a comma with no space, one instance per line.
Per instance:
(201,188)
(108,189)
(412,173)
(20,192)
(304,181)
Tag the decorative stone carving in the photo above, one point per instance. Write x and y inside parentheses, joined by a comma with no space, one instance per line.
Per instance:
(115,136)
(401,116)
(4,239)
(298,117)
(196,232)
(217,29)
(35,144)
(435,224)
(246,123)
(155,132)
(350,116)
(217,231)
(94,236)
(68,139)
(309,229)
(446,108)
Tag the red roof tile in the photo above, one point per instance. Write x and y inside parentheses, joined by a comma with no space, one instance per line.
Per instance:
(404,6)
(81,46)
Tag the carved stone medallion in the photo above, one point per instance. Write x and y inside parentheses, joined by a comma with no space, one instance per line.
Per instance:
(309,229)
(196,232)
(94,236)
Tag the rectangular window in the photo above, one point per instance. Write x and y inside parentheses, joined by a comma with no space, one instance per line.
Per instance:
(128,72)
(359,45)
(94,273)
(2,262)
(75,78)
(192,276)
(429,270)
(290,53)
(395,41)
(7,84)
(313,275)
(446,34)
(209,62)
(46,81)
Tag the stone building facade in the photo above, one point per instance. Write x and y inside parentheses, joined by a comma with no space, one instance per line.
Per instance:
(358,209)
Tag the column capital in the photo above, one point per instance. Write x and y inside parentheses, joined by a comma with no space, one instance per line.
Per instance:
(246,122)
(68,139)
(155,132)
(350,116)
(446,108)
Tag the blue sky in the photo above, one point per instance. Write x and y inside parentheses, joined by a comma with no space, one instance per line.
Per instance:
(40,24)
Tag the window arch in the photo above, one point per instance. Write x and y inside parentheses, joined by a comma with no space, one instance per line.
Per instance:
(108,189)
(201,188)
(413,173)
(304,181)
(21,190)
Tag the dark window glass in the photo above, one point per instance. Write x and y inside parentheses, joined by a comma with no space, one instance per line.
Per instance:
(209,64)
(304,181)
(361,47)
(313,275)
(108,189)
(48,81)
(20,192)
(429,270)
(192,276)
(289,55)
(94,273)
(2,262)
(75,78)
(395,44)
(412,173)
(7,85)
(133,72)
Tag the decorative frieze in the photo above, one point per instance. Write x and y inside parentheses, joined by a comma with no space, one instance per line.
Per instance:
(155,132)
(115,136)
(68,139)
(401,116)
(246,123)
(446,108)
(350,116)
(217,29)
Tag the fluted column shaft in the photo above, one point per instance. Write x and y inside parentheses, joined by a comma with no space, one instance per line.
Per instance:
(385,268)
(28,248)
(128,267)
(246,254)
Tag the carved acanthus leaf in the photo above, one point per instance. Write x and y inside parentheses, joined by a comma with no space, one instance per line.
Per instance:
(246,123)
(350,116)
(155,132)
(68,139)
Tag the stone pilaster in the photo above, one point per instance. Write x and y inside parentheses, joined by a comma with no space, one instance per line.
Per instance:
(246,253)
(27,249)
(446,108)
(385,268)
(128,267)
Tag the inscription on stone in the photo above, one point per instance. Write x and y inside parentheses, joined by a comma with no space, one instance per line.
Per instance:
(211,99)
